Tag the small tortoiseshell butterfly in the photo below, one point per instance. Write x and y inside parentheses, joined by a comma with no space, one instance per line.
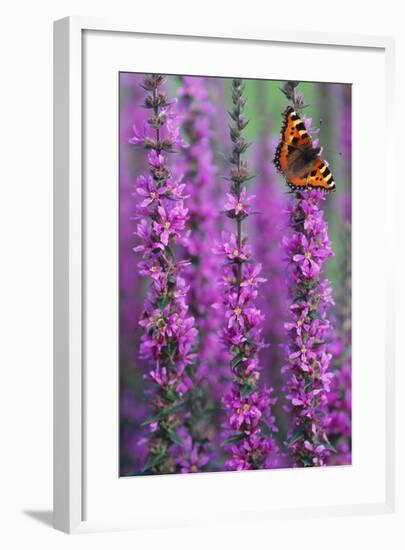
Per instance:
(297,159)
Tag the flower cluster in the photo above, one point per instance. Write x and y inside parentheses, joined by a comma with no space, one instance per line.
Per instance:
(339,407)
(197,164)
(169,334)
(134,448)
(192,456)
(133,409)
(249,423)
(339,412)
(270,205)
(307,248)
(130,291)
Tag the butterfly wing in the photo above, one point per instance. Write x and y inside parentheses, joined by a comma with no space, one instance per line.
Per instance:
(295,142)
(293,135)
(320,176)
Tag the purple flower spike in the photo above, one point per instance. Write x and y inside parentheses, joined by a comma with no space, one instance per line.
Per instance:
(197,164)
(169,335)
(249,424)
(307,249)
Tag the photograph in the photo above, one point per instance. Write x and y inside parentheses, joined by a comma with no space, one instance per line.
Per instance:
(234,274)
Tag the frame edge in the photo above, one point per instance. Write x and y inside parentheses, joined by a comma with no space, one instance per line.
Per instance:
(67,400)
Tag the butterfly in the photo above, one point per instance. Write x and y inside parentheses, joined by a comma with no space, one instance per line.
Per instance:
(297,159)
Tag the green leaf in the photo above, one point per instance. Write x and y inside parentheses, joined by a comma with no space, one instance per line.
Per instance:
(153,460)
(174,437)
(243,123)
(235,133)
(297,298)
(233,117)
(153,418)
(243,148)
(230,214)
(246,390)
(170,252)
(330,447)
(327,445)
(236,360)
(306,461)
(163,301)
(250,340)
(233,439)
(172,394)
(296,435)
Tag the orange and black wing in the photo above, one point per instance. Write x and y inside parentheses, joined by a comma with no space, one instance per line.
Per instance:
(320,176)
(293,140)
(293,135)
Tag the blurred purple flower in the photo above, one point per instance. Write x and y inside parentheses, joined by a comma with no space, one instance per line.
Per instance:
(197,164)
(270,221)
(339,406)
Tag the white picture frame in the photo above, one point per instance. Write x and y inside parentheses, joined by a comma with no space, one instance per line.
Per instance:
(71,432)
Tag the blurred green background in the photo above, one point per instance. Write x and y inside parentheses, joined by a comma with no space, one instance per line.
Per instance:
(329,106)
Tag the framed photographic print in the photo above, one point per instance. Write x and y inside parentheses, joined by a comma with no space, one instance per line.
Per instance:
(229,288)
(214,260)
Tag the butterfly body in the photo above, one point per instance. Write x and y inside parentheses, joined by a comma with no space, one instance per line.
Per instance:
(297,159)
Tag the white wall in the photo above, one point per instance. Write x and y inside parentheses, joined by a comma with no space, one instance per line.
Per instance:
(26,262)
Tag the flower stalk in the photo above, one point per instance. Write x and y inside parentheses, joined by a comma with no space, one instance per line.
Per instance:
(249,424)
(168,335)
(307,248)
